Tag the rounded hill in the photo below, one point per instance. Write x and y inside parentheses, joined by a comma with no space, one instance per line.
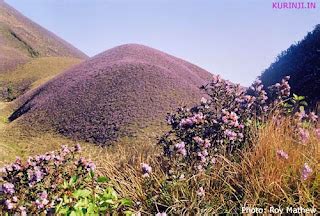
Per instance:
(112,94)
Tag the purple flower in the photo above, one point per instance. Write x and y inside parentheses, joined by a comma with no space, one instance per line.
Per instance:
(146,169)
(201,192)
(181,148)
(90,166)
(77,148)
(306,171)
(213,160)
(9,204)
(8,188)
(318,133)
(42,201)
(231,135)
(300,115)
(198,140)
(202,157)
(203,100)
(199,167)
(23,210)
(38,174)
(313,117)
(282,154)
(304,135)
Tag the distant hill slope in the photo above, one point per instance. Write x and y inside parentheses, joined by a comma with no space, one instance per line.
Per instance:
(32,74)
(21,40)
(301,62)
(112,94)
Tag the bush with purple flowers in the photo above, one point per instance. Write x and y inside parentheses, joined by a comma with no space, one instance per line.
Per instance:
(57,182)
(221,123)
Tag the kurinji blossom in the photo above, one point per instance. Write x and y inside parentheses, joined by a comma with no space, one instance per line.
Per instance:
(8,188)
(282,154)
(313,117)
(203,100)
(213,160)
(201,192)
(65,149)
(306,171)
(318,133)
(195,119)
(77,148)
(146,169)
(199,167)
(9,204)
(90,166)
(231,135)
(181,148)
(202,157)
(304,135)
(23,211)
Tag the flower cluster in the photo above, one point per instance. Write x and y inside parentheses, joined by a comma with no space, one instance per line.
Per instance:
(190,121)
(24,186)
(146,170)
(306,171)
(221,122)
(282,154)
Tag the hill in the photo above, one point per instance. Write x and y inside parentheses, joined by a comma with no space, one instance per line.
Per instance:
(22,39)
(301,62)
(112,94)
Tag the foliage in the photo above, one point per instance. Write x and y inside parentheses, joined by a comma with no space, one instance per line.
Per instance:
(58,182)
(220,124)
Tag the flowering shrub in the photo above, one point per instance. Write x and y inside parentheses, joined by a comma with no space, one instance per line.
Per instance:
(221,123)
(57,182)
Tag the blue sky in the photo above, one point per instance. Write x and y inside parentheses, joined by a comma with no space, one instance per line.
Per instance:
(235,38)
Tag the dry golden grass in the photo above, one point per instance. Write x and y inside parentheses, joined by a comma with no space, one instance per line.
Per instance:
(260,179)
(278,181)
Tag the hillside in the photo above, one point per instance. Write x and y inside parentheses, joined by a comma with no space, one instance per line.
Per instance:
(301,62)
(21,40)
(32,74)
(112,95)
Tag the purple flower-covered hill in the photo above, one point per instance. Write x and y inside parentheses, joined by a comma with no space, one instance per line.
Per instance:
(22,40)
(112,94)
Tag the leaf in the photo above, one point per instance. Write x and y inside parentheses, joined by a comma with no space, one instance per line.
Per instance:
(102,179)
(301,108)
(73,180)
(126,202)
(65,184)
(73,213)
(128,213)
(91,174)
(81,193)
(110,193)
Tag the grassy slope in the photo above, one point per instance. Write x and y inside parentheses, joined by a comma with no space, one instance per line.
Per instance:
(16,141)
(33,74)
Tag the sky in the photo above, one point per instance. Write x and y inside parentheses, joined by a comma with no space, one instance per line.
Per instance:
(237,39)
